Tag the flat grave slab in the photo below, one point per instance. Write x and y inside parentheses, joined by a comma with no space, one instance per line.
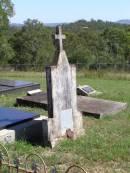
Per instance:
(14,83)
(10,117)
(9,86)
(99,107)
(88,105)
(38,100)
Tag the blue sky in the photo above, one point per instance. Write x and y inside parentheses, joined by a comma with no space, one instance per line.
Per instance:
(54,11)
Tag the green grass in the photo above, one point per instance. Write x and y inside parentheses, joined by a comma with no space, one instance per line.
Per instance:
(105,147)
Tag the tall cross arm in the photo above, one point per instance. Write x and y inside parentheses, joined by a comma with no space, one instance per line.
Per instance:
(59,36)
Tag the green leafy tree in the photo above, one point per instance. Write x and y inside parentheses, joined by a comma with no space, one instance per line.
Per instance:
(76,50)
(88,43)
(117,43)
(128,47)
(6,51)
(6,11)
(33,44)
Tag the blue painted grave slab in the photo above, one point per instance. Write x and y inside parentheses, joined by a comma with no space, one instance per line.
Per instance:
(14,83)
(3,88)
(10,116)
(10,86)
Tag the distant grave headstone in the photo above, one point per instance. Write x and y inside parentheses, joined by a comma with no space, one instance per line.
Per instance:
(62,98)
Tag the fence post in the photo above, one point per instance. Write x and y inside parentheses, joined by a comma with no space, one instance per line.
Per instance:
(53,170)
(1,159)
(17,164)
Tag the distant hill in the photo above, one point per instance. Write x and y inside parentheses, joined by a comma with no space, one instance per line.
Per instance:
(124,21)
(93,24)
(53,24)
(19,25)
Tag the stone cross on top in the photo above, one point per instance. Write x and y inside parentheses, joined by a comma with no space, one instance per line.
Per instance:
(59,36)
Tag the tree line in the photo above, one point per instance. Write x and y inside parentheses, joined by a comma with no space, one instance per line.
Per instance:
(87,43)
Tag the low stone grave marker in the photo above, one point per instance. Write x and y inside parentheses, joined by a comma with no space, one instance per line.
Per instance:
(87,90)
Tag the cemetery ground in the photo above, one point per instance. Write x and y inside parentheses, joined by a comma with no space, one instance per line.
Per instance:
(105,147)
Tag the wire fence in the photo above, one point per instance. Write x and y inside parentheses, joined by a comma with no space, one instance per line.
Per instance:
(80,66)
(33,163)
(105,66)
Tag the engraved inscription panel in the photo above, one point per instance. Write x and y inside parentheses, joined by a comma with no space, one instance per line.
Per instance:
(66,120)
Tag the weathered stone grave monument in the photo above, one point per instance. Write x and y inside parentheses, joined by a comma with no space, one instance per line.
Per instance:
(63,117)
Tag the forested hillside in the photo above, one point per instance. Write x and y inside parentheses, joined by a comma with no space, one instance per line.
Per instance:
(88,43)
